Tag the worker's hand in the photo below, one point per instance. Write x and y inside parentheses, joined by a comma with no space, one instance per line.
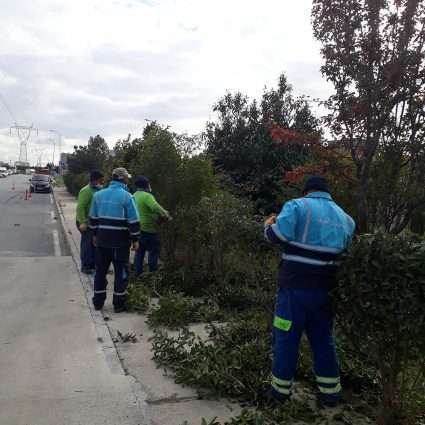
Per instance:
(83,227)
(94,241)
(164,219)
(135,246)
(271,220)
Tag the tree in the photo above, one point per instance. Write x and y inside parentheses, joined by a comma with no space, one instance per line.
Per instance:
(158,160)
(125,151)
(178,176)
(244,154)
(90,157)
(374,57)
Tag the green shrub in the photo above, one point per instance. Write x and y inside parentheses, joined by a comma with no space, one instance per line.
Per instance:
(158,160)
(380,302)
(220,238)
(235,361)
(173,311)
(289,413)
(138,298)
(176,311)
(74,182)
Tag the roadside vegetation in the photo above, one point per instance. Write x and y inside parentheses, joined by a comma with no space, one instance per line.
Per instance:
(219,186)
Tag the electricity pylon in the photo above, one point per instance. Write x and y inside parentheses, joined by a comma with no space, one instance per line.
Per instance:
(24,133)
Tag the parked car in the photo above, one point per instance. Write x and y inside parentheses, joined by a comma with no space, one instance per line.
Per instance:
(41,183)
(3,172)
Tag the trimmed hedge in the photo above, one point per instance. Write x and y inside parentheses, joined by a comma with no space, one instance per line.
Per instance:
(74,182)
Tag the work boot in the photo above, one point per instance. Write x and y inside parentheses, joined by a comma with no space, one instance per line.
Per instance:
(98,307)
(270,397)
(120,308)
(329,402)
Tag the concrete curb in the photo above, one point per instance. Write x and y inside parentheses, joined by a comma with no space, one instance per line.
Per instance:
(103,331)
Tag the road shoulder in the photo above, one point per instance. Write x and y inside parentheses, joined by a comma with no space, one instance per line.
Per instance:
(53,368)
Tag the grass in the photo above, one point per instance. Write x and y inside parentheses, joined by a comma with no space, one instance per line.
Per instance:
(59,181)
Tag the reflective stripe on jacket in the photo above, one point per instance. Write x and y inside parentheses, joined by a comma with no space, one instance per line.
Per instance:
(113,217)
(313,231)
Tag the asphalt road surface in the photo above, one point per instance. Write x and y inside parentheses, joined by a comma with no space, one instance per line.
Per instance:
(57,362)
(28,228)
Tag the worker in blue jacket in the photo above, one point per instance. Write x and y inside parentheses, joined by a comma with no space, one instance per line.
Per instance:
(313,231)
(115,223)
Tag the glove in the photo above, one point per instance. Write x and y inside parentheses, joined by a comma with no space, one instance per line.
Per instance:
(83,227)
(135,246)
(271,220)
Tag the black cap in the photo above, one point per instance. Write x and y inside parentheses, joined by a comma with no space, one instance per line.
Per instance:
(142,182)
(95,175)
(317,183)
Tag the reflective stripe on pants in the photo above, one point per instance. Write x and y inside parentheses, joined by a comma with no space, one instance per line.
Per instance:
(309,311)
(119,258)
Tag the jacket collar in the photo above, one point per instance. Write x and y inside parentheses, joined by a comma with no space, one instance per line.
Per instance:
(117,185)
(323,195)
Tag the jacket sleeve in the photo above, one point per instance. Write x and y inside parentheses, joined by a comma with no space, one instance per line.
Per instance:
(284,229)
(94,214)
(156,208)
(133,220)
(83,203)
(351,228)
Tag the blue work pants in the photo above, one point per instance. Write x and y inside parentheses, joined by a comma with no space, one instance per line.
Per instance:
(87,250)
(149,242)
(119,258)
(309,311)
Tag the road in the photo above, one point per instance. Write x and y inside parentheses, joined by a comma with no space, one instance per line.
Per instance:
(28,228)
(57,364)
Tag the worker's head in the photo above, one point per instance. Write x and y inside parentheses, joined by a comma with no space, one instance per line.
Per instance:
(96,179)
(142,183)
(316,184)
(121,175)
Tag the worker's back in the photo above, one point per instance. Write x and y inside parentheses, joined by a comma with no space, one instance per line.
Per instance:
(313,232)
(114,216)
(149,211)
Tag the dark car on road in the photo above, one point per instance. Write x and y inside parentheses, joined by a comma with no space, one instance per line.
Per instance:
(41,183)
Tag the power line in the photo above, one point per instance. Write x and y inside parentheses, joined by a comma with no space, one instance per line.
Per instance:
(3,100)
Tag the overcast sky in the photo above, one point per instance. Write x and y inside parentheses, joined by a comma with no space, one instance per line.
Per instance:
(87,67)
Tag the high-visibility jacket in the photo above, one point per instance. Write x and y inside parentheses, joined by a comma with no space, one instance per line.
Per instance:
(313,231)
(113,217)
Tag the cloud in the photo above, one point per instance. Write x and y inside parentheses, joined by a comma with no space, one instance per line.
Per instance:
(104,66)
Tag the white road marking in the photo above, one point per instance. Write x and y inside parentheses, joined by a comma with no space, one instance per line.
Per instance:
(56,244)
(51,199)
(52,216)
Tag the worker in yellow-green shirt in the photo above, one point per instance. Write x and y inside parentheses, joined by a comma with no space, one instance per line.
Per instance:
(85,199)
(151,213)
